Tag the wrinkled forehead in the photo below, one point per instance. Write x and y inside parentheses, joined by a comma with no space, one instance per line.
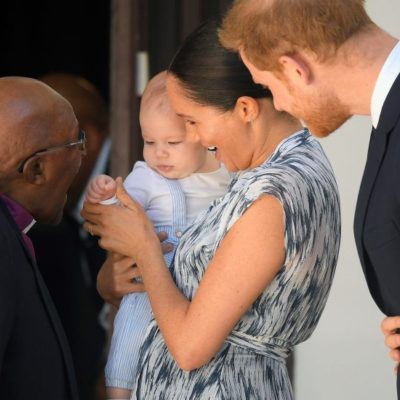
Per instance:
(22,99)
(32,117)
(30,124)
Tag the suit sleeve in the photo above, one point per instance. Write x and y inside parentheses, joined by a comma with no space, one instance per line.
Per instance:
(8,294)
(396,176)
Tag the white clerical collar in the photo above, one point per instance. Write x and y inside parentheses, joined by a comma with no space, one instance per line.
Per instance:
(386,78)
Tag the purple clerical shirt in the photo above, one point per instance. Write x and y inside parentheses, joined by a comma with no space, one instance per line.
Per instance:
(22,218)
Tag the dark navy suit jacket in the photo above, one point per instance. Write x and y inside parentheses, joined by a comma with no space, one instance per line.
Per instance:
(35,361)
(377,219)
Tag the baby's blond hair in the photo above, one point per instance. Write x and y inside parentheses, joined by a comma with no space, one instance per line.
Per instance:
(155,97)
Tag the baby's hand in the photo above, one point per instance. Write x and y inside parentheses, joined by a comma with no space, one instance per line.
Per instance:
(100,189)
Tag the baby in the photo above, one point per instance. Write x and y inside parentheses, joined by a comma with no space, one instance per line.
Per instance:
(178,179)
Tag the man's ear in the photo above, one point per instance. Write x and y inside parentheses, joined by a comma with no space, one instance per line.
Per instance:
(247,108)
(296,69)
(34,171)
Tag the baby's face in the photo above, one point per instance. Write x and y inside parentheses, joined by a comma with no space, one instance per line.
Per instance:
(167,149)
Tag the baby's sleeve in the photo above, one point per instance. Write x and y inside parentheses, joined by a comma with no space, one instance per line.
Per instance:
(139,183)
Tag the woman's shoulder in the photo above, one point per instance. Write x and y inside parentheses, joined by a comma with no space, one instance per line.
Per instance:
(297,168)
(300,157)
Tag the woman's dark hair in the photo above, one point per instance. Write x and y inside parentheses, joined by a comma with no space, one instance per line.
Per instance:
(211,74)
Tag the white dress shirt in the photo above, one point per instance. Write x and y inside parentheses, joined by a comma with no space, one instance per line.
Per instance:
(386,78)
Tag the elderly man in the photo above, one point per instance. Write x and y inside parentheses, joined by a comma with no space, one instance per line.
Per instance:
(72,284)
(325,61)
(40,154)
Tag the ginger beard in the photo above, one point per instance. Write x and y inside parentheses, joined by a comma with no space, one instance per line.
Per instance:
(322,113)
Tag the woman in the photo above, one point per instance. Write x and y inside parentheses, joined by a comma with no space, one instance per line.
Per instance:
(251,275)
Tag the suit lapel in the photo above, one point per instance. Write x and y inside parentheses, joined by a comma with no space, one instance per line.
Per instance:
(376,151)
(59,330)
(50,308)
(377,148)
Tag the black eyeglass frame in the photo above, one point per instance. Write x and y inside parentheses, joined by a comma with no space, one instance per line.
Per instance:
(80,142)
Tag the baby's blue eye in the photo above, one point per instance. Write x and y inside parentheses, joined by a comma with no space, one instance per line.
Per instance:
(148,143)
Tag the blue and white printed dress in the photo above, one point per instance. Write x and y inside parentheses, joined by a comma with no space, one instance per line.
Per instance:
(251,363)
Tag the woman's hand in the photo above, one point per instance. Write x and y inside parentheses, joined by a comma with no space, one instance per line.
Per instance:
(124,230)
(117,275)
(116,278)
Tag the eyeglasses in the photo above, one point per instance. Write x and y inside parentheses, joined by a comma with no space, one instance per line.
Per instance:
(80,143)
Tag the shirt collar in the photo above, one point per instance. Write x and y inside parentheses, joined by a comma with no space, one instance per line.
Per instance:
(22,218)
(386,78)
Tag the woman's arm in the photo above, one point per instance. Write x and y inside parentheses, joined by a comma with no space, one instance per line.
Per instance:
(116,278)
(247,260)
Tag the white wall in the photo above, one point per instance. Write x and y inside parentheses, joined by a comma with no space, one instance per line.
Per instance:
(346,359)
